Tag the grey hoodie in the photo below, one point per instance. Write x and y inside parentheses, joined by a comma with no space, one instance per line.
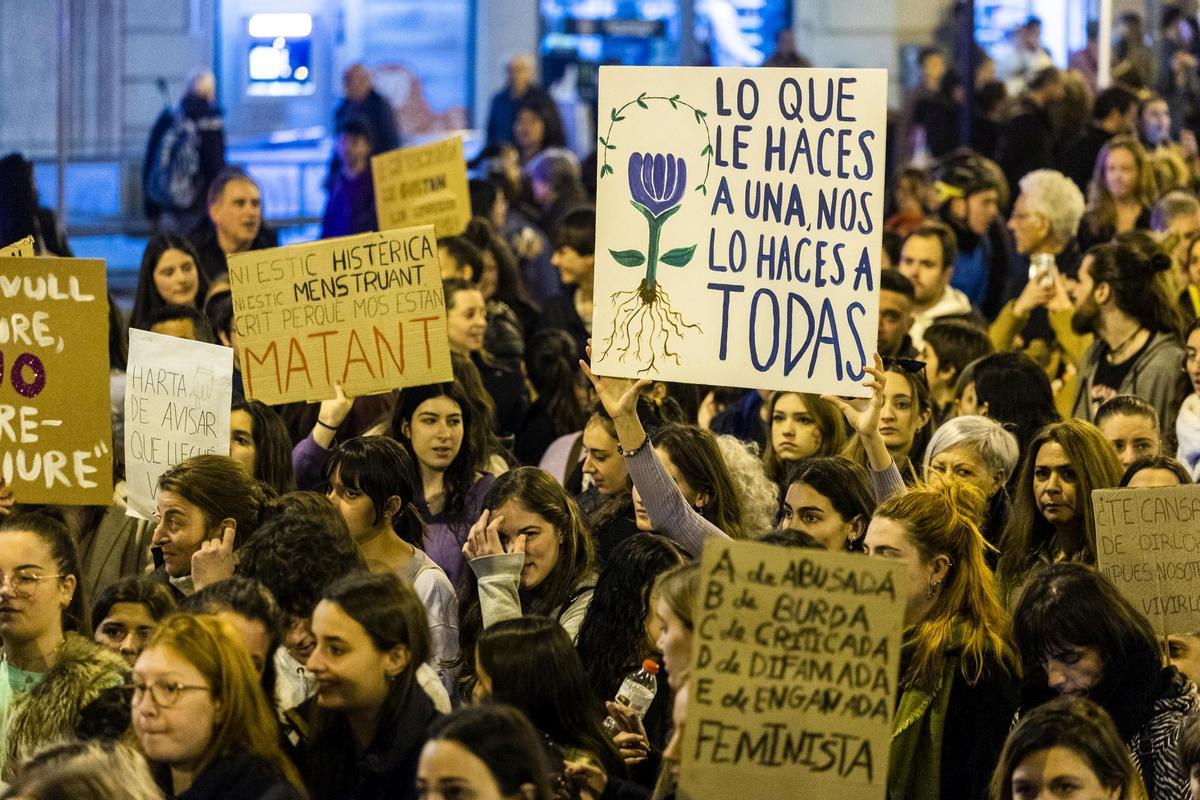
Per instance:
(1156,377)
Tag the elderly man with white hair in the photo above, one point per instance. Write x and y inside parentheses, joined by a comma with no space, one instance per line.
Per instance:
(1044,222)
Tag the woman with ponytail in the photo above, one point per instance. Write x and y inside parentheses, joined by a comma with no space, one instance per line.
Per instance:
(372,483)
(958,667)
(1122,298)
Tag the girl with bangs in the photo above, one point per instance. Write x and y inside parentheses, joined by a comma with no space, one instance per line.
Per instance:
(529,553)
(1078,636)
(372,483)
(958,668)
(202,719)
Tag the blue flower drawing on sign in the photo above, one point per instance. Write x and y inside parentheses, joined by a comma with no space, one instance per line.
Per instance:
(645,326)
(645,323)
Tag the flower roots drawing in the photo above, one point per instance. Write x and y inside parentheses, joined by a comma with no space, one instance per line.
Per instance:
(645,325)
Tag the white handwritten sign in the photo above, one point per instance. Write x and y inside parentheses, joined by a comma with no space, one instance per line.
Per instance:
(794,674)
(738,225)
(177,398)
(55,417)
(1148,544)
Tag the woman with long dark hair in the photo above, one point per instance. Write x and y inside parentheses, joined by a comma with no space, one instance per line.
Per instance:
(433,424)
(170,275)
(488,752)
(529,553)
(1078,635)
(529,663)
(829,498)
(258,438)
(619,632)
(1012,389)
(799,426)
(371,717)
(1052,518)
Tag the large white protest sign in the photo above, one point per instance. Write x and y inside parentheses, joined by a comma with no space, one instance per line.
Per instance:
(177,398)
(738,231)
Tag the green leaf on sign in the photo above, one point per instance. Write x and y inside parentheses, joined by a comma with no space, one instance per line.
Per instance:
(602,140)
(674,100)
(641,100)
(679,257)
(707,150)
(610,146)
(615,116)
(605,170)
(700,115)
(702,189)
(628,258)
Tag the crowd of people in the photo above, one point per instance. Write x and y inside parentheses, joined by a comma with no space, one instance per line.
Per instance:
(437,592)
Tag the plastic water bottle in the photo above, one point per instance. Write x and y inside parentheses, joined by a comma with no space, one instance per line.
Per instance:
(637,691)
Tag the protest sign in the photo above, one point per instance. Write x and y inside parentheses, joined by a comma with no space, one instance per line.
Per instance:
(55,412)
(22,248)
(423,185)
(738,232)
(793,678)
(366,311)
(1148,544)
(177,398)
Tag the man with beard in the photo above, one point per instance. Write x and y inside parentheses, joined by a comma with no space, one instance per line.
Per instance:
(969,188)
(927,259)
(1137,349)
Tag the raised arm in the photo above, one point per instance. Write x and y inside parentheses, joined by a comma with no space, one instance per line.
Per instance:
(310,455)
(863,416)
(669,512)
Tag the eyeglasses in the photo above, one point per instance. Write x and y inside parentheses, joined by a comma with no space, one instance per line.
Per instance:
(913,366)
(162,693)
(23,584)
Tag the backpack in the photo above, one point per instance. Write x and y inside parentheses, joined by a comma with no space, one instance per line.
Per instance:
(173,182)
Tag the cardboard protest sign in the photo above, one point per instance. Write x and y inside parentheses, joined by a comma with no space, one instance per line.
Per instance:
(22,248)
(423,185)
(55,412)
(177,398)
(739,219)
(1148,544)
(366,311)
(793,678)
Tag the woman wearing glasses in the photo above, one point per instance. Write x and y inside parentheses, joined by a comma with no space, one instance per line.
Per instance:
(202,719)
(50,673)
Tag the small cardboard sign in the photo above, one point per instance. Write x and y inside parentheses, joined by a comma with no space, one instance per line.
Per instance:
(177,398)
(55,411)
(366,311)
(1148,545)
(739,217)
(793,677)
(22,248)
(424,184)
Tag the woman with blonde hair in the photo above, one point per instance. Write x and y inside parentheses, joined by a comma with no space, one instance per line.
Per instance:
(959,667)
(95,770)
(1121,193)
(201,717)
(799,426)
